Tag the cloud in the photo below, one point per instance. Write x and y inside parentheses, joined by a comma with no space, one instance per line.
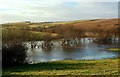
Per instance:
(55,10)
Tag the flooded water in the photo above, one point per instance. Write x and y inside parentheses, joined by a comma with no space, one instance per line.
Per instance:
(86,49)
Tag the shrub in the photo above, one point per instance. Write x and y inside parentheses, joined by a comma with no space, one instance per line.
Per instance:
(13,54)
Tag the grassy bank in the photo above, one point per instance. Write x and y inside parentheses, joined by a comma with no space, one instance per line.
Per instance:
(113,49)
(67,67)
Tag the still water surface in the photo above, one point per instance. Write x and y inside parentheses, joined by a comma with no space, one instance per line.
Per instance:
(88,50)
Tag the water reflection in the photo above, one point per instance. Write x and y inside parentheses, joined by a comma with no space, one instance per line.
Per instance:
(84,48)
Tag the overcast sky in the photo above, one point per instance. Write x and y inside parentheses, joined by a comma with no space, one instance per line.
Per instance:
(55,10)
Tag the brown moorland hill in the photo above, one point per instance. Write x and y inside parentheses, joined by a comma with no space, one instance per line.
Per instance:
(98,23)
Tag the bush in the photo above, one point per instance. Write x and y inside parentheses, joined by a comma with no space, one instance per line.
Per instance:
(13,54)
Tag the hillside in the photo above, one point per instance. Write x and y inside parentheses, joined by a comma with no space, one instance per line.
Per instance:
(106,23)
(101,28)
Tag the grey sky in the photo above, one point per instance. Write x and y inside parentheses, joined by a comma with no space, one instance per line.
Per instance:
(55,10)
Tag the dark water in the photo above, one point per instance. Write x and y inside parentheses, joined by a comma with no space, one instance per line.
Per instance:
(87,50)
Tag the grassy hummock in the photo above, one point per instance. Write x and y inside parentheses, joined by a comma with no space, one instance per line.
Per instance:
(114,49)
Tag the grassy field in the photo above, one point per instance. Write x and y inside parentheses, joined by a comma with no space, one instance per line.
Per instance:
(67,67)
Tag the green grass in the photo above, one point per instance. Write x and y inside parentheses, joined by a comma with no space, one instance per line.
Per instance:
(67,67)
(113,49)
